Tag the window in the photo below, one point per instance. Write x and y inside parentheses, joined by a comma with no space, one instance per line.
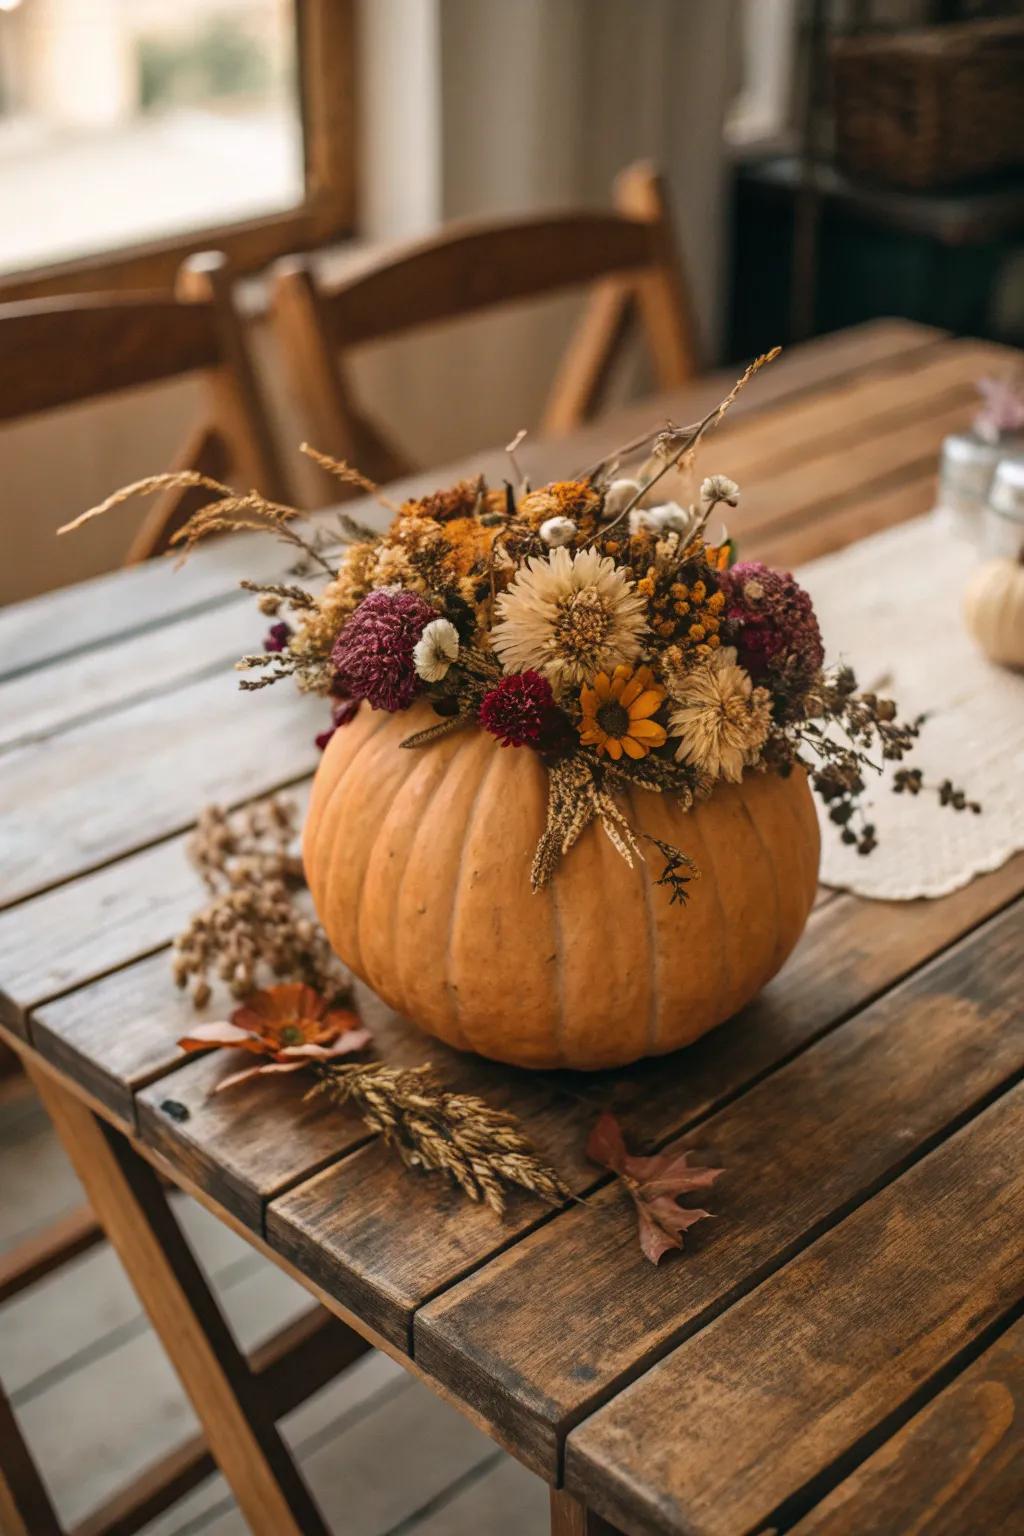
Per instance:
(135,131)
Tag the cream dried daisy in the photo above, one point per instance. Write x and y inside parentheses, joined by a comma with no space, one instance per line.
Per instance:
(569,616)
(435,650)
(720,718)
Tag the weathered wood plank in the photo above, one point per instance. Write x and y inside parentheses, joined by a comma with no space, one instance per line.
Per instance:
(45,629)
(853,410)
(358,1260)
(216,1149)
(36,704)
(77,932)
(869,513)
(799,1150)
(827,1353)
(957,1466)
(116,784)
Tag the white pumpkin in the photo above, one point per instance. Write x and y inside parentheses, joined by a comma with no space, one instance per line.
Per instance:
(994,610)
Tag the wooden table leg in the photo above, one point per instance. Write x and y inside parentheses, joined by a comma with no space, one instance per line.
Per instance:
(571,1518)
(25,1508)
(130,1205)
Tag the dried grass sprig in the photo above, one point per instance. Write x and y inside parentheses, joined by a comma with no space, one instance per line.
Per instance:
(674,444)
(443,727)
(180,479)
(483,1150)
(346,473)
(229,512)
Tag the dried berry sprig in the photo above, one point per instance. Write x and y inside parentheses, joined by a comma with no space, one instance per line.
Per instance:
(870,725)
(255,926)
(911,781)
(483,1150)
(679,872)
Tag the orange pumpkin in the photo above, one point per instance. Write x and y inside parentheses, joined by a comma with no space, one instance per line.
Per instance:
(419,864)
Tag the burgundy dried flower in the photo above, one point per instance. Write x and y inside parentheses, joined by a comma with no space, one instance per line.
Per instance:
(373,653)
(776,628)
(519,710)
(341,713)
(277,636)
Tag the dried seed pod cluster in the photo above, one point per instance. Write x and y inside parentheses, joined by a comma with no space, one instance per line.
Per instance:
(258,923)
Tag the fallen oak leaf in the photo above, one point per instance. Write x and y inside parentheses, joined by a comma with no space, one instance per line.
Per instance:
(655,1184)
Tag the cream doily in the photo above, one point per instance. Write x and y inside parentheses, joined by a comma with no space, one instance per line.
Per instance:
(891,606)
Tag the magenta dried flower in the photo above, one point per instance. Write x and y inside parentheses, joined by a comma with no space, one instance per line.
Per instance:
(776,630)
(278,636)
(372,655)
(341,713)
(518,709)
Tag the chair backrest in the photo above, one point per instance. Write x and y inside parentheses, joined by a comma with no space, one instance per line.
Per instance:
(628,256)
(58,352)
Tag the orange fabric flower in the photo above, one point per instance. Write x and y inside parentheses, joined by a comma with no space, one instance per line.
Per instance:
(617,713)
(289,1023)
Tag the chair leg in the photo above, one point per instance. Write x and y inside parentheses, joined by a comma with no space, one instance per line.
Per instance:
(25,1508)
(230,1402)
(38,1256)
(569,1517)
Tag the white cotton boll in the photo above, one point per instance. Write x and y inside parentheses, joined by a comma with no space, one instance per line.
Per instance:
(618,497)
(670,517)
(435,650)
(558,531)
(643,520)
(719,488)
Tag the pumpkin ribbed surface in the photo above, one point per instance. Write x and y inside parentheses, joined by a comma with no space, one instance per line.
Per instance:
(419,865)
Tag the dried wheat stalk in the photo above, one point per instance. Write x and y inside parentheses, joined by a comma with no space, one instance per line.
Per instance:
(480,1148)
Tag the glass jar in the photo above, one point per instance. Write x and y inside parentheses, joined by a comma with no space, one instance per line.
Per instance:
(1004,512)
(966,470)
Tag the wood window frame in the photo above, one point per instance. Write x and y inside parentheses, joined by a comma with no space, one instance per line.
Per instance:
(326,75)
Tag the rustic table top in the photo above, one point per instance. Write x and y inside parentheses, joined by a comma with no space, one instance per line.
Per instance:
(839,1349)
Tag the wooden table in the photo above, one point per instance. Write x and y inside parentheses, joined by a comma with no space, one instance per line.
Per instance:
(838,1351)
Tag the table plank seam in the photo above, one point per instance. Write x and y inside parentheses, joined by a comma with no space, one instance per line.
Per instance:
(203,671)
(891,480)
(755,1278)
(276,788)
(799,1503)
(230,594)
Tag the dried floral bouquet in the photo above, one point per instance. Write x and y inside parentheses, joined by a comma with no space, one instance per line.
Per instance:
(583,621)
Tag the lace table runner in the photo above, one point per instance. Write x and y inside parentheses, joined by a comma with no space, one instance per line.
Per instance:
(891,606)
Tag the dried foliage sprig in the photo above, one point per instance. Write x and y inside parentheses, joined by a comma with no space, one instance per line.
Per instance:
(872,735)
(674,444)
(254,926)
(481,1149)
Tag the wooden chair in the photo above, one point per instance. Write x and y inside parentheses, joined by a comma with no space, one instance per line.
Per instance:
(629,256)
(57,352)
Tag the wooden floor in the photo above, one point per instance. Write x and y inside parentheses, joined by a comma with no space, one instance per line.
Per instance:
(97,1401)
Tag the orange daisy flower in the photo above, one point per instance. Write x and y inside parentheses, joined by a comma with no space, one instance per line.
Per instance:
(617,713)
(289,1024)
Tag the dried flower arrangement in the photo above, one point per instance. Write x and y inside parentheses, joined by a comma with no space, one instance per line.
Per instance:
(611,636)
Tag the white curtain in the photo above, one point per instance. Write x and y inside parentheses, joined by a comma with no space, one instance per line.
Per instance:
(477,107)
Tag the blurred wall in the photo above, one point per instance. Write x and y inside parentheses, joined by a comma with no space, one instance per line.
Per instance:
(467,107)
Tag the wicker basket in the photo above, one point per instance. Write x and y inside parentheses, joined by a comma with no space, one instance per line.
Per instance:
(931,106)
